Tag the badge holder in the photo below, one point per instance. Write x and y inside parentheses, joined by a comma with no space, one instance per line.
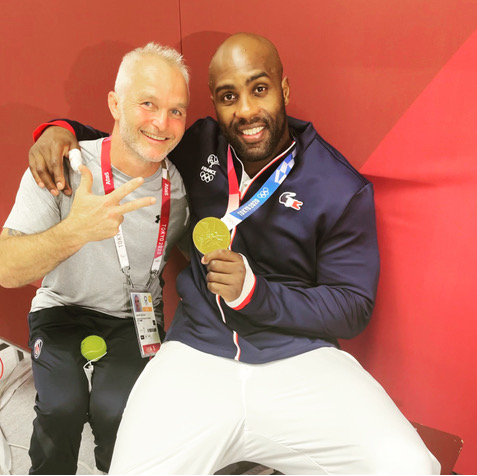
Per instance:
(145,321)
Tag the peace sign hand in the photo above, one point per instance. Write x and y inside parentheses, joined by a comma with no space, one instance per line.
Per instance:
(95,217)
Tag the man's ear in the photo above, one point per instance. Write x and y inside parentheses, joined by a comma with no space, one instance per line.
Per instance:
(286,90)
(113,103)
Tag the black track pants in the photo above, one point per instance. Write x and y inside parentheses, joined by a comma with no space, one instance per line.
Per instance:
(63,403)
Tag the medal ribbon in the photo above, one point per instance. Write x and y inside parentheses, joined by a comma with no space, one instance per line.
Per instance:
(234,191)
(108,185)
(234,217)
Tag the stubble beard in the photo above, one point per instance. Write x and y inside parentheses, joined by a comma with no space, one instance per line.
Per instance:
(260,151)
(132,145)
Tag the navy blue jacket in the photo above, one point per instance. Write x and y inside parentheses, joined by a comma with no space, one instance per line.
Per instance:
(316,263)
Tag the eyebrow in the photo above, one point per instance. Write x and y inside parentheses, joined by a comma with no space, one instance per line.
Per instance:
(247,82)
(153,97)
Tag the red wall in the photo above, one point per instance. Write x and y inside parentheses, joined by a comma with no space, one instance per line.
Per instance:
(391,84)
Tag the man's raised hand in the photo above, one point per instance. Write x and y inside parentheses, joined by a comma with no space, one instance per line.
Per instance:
(97,217)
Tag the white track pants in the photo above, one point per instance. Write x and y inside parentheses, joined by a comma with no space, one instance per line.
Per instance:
(316,413)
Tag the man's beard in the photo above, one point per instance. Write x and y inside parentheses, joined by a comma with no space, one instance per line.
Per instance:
(260,151)
(131,142)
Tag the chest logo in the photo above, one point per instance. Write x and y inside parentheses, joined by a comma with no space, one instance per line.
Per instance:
(288,199)
(207,174)
(212,160)
(37,346)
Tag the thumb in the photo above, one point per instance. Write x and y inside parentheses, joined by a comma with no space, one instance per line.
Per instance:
(86,179)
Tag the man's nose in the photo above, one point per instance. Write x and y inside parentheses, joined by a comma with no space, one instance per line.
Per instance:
(160,119)
(246,108)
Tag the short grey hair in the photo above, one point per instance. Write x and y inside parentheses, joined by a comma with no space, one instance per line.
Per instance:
(166,53)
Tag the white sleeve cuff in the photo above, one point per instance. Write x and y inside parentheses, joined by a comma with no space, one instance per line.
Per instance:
(248,284)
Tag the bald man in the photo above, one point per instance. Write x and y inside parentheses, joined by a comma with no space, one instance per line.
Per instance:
(251,368)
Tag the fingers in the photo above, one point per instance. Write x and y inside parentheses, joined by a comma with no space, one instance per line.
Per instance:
(54,173)
(125,189)
(219,278)
(67,190)
(222,255)
(136,204)
(39,170)
(225,273)
(86,180)
(113,199)
(58,152)
(46,158)
(218,266)
(228,286)
(49,174)
(221,290)
(33,170)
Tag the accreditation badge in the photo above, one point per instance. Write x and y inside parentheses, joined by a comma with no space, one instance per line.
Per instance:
(145,322)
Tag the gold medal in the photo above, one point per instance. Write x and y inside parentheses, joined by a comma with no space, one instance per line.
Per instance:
(211,234)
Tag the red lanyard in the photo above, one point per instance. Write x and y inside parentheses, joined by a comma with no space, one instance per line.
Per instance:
(108,184)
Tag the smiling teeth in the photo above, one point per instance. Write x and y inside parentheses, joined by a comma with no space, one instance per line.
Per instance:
(152,136)
(251,132)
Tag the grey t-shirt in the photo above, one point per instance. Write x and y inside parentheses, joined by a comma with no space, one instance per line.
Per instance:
(92,277)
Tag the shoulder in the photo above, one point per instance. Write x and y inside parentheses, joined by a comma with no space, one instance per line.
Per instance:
(204,133)
(29,187)
(201,140)
(174,174)
(91,150)
(204,125)
(35,209)
(91,154)
(319,157)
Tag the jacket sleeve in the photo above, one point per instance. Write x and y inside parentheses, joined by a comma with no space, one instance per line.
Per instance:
(347,271)
(81,131)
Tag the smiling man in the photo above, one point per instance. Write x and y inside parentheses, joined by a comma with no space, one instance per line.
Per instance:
(79,242)
(251,368)
(149,113)
(254,84)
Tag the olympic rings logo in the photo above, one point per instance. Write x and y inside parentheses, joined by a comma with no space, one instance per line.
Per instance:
(206,177)
(264,193)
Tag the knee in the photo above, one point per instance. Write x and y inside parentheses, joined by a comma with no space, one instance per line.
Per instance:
(64,411)
(106,413)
